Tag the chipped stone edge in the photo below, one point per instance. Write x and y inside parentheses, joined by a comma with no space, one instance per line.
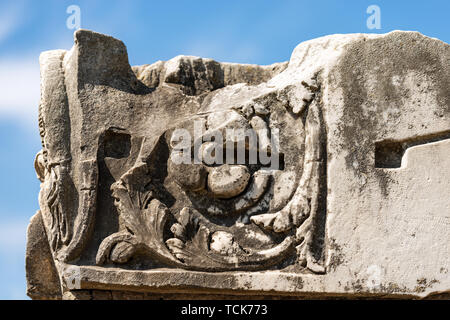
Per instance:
(233,283)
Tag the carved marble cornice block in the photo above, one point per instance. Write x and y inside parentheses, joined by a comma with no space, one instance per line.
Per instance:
(325,176)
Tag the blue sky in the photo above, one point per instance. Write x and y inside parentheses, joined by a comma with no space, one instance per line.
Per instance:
(260,32)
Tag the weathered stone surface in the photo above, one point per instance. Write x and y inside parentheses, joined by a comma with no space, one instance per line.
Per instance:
(42,276)
(327,176)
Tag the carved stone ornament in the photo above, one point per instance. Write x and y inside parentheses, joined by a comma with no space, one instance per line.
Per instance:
(326,175)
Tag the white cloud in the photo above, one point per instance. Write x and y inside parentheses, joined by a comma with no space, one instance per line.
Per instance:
(7,25)
(19,75)
(10,19)
(19,83)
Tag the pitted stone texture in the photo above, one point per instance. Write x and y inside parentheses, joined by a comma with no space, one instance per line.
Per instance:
(357,205)
(42,277)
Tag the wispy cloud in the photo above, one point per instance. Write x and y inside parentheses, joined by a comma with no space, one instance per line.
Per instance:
(19,75)
(10,19)
(19,80)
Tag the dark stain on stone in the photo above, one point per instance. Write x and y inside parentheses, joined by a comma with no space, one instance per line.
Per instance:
(360,127)
(337,257)
(423,284)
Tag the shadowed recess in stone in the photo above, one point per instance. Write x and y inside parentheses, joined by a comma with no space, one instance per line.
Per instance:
(389,153)
(117,144)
